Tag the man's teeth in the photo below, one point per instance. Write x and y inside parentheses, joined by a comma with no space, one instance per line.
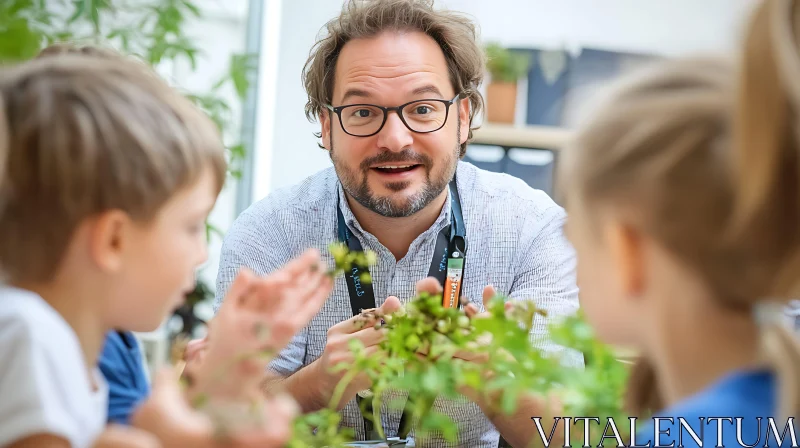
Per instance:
(395,167)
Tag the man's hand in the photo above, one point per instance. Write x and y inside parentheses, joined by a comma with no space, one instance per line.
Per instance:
(337,351)
(168,416)
(257,319)
(432,286)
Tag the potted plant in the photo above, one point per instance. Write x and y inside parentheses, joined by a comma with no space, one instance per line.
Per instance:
(506,68)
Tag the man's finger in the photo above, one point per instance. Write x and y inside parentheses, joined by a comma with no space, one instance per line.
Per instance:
(390,305)
(348,326)
(370,336)
(471,310)
(488,295)
(429,285)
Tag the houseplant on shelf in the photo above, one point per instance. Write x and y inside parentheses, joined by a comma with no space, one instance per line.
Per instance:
(505,69)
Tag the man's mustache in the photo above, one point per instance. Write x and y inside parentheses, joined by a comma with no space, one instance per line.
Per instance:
(405,155)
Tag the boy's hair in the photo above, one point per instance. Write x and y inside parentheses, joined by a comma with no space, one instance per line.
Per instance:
(456,35)
(63,48)
(86,135)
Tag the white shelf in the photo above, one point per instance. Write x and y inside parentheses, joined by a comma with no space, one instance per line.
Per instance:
(539,137)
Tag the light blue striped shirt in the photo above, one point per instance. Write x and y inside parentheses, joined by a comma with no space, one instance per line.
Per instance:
(514,242)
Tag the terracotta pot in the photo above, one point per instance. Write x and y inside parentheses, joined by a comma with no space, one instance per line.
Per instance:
(501,102)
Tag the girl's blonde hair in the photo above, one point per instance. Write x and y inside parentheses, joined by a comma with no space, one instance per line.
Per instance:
(721,192)
(656,151)
(766,218)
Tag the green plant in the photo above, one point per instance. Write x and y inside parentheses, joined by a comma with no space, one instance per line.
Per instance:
(419,357)
(505,65)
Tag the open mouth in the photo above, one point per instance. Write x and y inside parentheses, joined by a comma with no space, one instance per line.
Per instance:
(396,169)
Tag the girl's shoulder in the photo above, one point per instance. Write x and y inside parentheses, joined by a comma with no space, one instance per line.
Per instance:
(737,410)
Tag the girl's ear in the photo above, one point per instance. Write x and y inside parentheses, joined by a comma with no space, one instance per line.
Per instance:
(625,246)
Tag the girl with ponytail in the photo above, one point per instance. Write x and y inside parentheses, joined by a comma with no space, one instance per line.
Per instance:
(683,197)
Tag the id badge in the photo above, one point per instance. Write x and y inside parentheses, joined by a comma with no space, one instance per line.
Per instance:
(452,286)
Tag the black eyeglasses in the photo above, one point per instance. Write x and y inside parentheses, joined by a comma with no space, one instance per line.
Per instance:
(421,116)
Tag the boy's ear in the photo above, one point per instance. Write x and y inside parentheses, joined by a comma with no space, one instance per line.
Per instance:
(108,239)
(627,254)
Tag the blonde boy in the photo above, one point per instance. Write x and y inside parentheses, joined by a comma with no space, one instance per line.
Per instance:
(110,175)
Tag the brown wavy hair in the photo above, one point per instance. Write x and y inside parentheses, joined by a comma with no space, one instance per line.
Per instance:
(456,35)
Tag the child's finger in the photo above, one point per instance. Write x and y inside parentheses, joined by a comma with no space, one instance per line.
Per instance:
(308,261)
(118,436)
(237,293)
(312,303)
(295,295)
(278,414)
(193,348)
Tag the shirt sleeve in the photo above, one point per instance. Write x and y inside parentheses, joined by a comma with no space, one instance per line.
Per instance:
(262,246)
(34,386)
(123,369)
(546,275)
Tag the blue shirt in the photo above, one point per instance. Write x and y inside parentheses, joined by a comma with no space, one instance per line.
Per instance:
(123,368)
(738,400)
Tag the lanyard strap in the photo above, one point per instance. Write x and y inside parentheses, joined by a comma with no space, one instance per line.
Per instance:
(447,266)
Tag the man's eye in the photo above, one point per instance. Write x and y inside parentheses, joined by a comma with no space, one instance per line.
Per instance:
(422,110)
(362,113)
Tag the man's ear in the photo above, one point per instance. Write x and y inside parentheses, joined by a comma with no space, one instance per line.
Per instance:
(325,121)
(463,112)
(625,244)
(109,237)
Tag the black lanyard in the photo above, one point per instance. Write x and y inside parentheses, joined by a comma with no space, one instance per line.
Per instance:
(447,264)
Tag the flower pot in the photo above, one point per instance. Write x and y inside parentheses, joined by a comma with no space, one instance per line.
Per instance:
(501,102)
(392,442)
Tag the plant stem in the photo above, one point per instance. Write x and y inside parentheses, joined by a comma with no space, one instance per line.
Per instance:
(376,414)
(339,391)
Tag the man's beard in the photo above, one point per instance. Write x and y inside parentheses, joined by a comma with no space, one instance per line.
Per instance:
(385,206)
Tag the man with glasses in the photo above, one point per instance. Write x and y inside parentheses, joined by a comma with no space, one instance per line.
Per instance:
(395,87)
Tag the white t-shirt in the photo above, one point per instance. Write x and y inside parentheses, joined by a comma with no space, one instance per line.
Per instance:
(44,384)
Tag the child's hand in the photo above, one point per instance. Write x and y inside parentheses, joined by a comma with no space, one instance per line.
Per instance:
(118,436)
(257,319)
(168,416)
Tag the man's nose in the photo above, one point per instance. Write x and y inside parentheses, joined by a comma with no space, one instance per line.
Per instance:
(394,136)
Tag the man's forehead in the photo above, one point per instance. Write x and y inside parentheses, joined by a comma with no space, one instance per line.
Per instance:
(404,61)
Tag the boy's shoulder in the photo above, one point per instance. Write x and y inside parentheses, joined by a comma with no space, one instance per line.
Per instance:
(44,381)
(30,317)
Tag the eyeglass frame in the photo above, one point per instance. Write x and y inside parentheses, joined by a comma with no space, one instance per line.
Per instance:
(398,109)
